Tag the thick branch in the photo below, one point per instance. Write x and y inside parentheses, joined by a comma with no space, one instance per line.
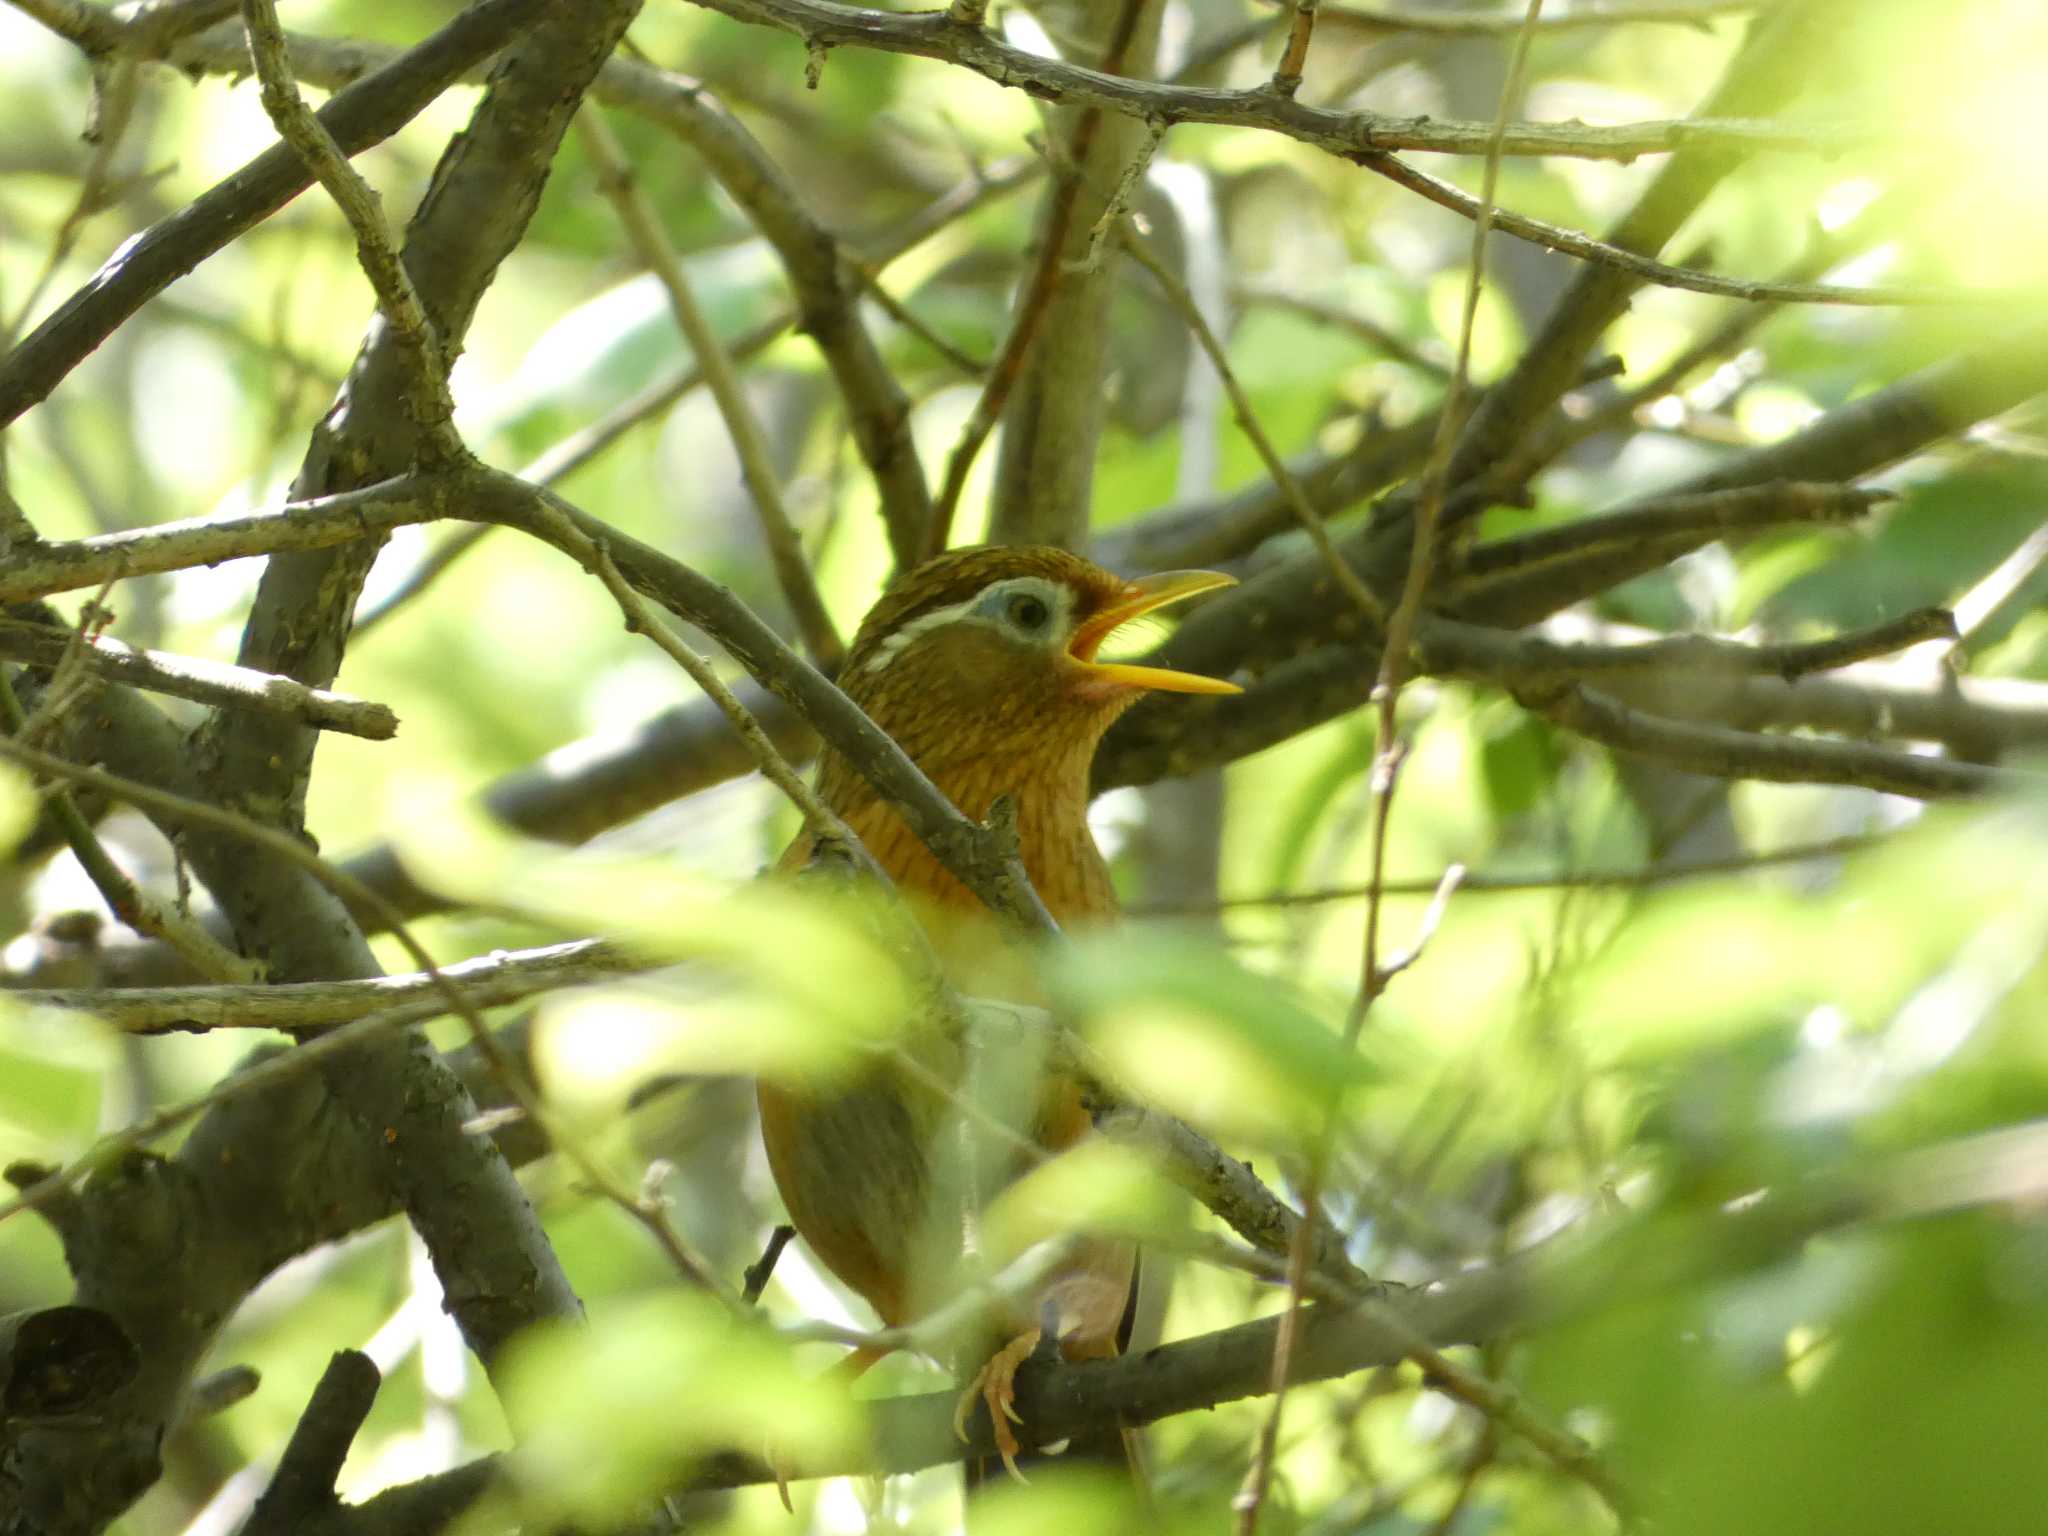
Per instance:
(366,113)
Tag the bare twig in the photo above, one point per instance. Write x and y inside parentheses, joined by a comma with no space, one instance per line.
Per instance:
(757,468)
(755,1280)
(1371,332)
(1247,419)
(1657,523)
(1448,648)
(1397,630)
(1646,269)
(1733,754)
(127,901)
(411,328)
(1287,76)
(1614,879)
(203,681)
(581,447)
(820,821)
(1455,22)
(307,1007)
(934,35)
(1025,320)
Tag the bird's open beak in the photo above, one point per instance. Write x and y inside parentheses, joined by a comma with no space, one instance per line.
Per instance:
(1140,598)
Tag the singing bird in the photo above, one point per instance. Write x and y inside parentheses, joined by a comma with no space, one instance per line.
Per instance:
(982,664)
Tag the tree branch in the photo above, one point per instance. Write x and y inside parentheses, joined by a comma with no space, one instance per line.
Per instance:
(935,35)
(1733,754)
(200,680)
(363,114)
(307,1007)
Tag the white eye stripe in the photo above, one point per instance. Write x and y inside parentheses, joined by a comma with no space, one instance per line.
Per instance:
(988,606)
(923,624)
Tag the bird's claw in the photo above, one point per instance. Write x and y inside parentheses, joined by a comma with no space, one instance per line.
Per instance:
(779,1467)
(996,1385)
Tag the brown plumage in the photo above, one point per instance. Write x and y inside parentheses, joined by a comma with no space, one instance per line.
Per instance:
(981,664)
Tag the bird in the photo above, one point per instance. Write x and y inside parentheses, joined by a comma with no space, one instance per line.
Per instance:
(982,663)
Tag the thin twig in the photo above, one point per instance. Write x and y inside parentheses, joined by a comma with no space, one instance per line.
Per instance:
(820,820)
(785,550)
(307,1007)
(582,446)
(114,95)
(203,681)
(1287,77)
(1008,365)
(411,327)
(1723,752)
(1397,630)
(124,898)
(755,1280)
(1572,242)
(1457,22)
(932,34)
(1383,340)
(1247,419)
(1597,880)
(1448,648)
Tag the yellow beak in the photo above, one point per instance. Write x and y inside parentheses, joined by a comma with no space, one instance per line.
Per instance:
(1141,597)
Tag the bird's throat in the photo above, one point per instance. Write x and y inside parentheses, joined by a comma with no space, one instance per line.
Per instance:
(1050,799)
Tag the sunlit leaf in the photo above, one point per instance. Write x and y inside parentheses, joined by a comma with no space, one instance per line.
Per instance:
(53,1068)
(748,1004)
(611,1414)
(1070,1501)
(18,807)
(1208,1038)
(1095,1186)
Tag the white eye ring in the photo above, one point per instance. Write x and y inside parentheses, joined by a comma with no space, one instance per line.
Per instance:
(1028,612)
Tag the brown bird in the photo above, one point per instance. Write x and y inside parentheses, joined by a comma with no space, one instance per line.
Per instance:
(982,665)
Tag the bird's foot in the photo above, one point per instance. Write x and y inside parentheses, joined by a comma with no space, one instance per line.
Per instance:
(996,1385)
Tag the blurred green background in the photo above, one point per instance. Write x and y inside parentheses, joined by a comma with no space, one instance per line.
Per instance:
(1617,1068)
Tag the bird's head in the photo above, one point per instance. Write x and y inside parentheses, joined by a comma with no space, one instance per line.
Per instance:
(981,643)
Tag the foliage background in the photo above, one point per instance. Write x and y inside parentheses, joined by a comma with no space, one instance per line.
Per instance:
(1622,1061)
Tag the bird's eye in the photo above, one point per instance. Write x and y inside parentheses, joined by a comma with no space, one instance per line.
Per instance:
(1028,612)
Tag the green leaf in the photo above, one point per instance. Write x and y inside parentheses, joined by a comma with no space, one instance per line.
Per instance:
(749,1006)
(1232,1050)
(53,1068)
(610,1415)
(19,808)
(1096,1186)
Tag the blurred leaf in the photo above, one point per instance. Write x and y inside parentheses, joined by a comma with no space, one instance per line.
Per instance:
(1702,964)
(1096,1186)
(1942,538)
(755,1011)
(613,1413)
(19,807)
(53,1069)
(1935,1340)
(1072,1501)
(1233,1051)
(1343,767)
(1518,760)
